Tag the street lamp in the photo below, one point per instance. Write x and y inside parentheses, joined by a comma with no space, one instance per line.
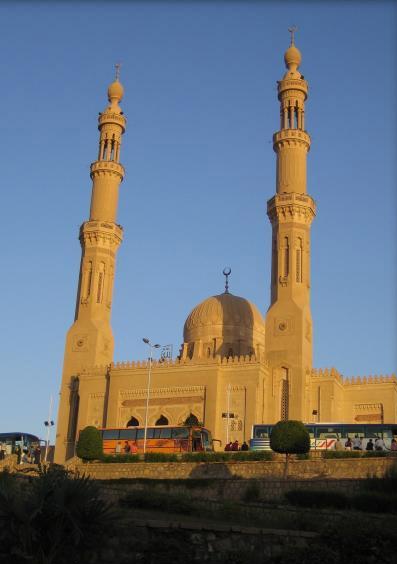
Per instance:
(49,423)
(151,347)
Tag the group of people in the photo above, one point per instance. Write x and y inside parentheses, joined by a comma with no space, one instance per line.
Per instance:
(233,446)
(25,455)
(357,444)
(127,448)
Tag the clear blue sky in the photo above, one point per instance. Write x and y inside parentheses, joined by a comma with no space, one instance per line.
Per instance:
(200,98)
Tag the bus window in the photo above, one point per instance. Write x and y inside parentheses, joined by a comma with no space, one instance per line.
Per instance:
(165,433)
(180,433)
(128,434)
(110,434)
(327,432)
(140,433)
(206,440)
(261,432)
(373,431)
(353,430)
(310,430)
(387,433)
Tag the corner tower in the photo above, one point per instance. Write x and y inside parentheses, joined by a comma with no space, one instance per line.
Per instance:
(290,211)
(89,341)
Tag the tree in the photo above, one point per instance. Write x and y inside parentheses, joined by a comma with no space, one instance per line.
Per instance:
(89,445)
(289,437)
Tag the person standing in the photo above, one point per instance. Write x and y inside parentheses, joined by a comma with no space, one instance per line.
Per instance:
(370,445)
(37,455)
(357,443)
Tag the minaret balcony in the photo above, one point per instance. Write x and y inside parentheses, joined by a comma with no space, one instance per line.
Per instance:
(291,207)
(292,84)
(291,137)
(107,167)
(112,117)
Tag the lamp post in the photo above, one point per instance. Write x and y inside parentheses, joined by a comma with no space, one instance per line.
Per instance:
(49,423)
(151,347)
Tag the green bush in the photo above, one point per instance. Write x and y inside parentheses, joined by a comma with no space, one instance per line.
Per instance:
(290,437)
(89,445)
(111,458)
(375,502)
(54,520)
(157,500)
(341,454)
(375,453)
(252,492)
(160,457)
(317,498)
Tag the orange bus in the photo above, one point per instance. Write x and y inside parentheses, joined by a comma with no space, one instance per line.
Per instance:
(162,438)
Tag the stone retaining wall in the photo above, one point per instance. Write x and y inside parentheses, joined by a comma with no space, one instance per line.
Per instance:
(348,468)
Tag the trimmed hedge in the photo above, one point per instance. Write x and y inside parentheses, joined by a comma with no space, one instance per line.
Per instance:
(89,445)
(317,498)
(290,437)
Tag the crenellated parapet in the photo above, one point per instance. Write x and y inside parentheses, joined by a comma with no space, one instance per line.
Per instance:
(332,373)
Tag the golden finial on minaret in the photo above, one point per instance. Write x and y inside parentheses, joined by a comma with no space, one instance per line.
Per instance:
(292,31)
(117,71)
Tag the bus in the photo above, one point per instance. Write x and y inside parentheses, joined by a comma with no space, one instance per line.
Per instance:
(11,440)
(162,438)
(324,435)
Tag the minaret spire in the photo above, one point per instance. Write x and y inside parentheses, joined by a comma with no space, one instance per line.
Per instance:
(90,339)
(292,31)
(291,211)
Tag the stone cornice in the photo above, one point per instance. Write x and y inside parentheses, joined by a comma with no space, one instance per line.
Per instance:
(354,380)
(283,208)
(107,168)
(291,138)
(106,233)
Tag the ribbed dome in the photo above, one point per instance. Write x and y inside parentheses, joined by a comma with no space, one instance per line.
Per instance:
(231,321)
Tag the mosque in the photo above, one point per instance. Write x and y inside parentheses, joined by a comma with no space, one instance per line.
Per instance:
(232,360)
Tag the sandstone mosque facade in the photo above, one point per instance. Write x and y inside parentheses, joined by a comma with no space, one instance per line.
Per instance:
(231,355)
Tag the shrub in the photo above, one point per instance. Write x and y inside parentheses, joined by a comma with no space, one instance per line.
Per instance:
(89,445)
(157,500)
(342,454)
(160,457)
(317,498)
(54,520)
(374,502)
(111,458)
(252,492)
(289,437)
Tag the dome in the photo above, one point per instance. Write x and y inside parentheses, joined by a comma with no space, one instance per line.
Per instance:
(292,57)
(115,91)
(232,323)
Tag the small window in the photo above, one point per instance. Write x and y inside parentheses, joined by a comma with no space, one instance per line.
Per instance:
(129,434)
(162,420)
(133,422)
(191,420)
(261,433)
(110,434)
(180,433)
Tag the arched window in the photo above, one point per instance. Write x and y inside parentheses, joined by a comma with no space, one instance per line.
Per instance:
(191,420)
(133,422)
(162,420)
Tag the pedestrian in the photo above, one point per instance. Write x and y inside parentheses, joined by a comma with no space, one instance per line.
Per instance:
(127,448)
(357,443)
(370,445)
(2,452)
(339,444)
(118,448)
(235,445)
(134,448)
(18,452)
(393,445)
(244,446)
(31,450)
(348,444)
(228,447)
(379,444)
(37,455)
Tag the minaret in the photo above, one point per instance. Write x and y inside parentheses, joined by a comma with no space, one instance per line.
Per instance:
(89,341)
(291,211)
